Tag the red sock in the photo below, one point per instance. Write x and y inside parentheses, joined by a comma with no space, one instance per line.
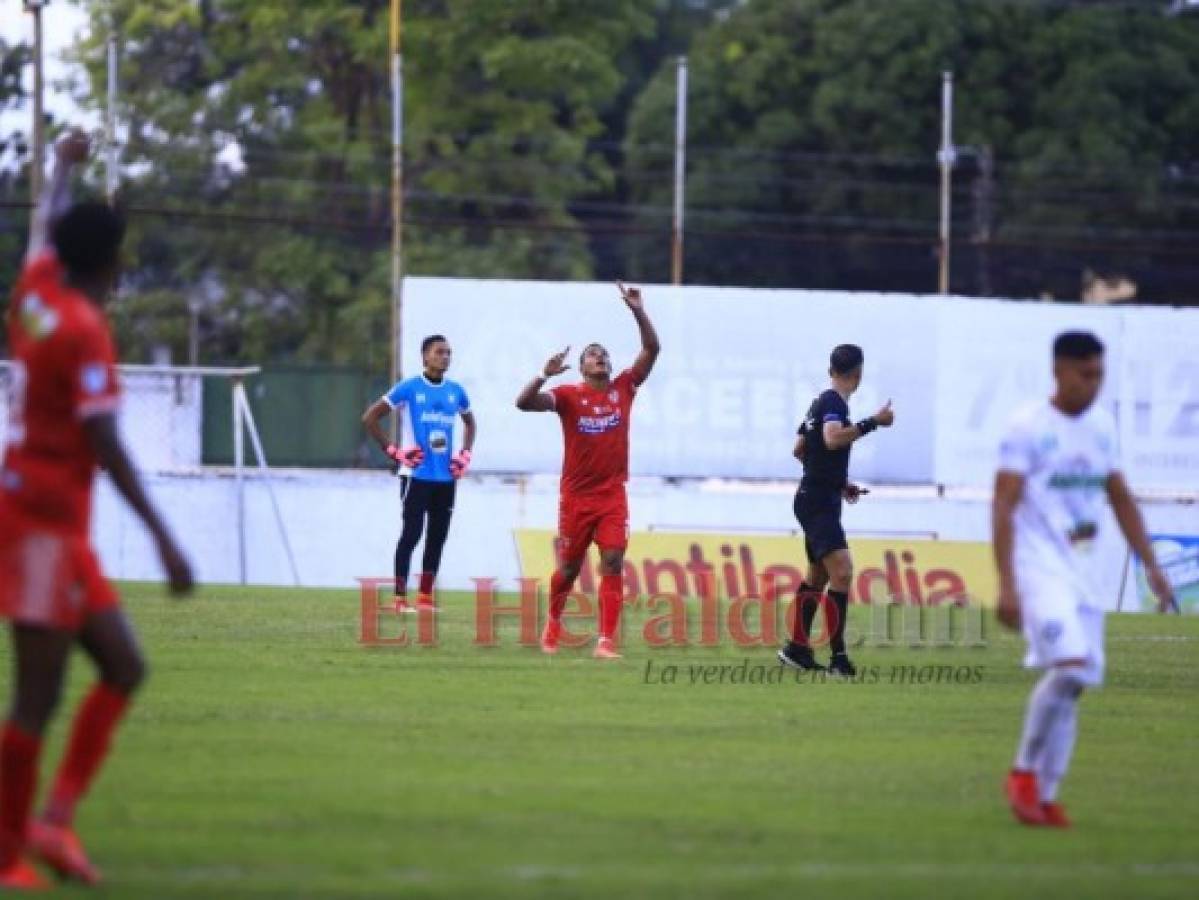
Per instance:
(19,752)
(611,598)
(97,719)
(426,583)
(559,588)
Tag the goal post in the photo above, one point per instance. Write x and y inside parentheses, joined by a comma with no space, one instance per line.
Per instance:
(162,421)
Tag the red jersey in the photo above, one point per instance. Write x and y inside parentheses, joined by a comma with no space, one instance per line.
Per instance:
(63,370)
(595,430)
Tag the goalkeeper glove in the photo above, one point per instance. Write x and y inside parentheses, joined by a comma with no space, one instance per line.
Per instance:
(460,463)
(410,456)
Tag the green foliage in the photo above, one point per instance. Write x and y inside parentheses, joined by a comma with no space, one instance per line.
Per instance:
(823,116)
(501,98)
(258,153)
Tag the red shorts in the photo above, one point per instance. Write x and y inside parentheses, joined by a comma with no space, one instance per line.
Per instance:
(49,578)
(603,518)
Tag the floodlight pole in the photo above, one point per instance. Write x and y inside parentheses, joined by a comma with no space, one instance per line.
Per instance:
(110,118)
(37,174)
(397,187)
(680,168)
(946,158)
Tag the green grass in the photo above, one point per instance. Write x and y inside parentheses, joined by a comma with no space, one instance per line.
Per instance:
(271,756)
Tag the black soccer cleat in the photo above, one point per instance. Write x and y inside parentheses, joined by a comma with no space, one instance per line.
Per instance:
(797,656)
(840,665)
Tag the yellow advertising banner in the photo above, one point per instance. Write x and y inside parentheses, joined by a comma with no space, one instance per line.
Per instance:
(917,572)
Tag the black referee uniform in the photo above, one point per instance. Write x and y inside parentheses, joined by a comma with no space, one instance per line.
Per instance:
(818,510)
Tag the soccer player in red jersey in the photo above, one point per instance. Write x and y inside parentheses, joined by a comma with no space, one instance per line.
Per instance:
(595,416)
(62,425)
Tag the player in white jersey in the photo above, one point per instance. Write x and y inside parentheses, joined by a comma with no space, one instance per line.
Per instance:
(1058,464)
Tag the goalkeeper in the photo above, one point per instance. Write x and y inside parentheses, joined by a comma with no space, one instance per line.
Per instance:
(426,463)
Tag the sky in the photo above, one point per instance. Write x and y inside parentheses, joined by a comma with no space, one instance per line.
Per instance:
(61,22)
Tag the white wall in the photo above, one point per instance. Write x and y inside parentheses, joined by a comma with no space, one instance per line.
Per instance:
(343,525)
(740,366)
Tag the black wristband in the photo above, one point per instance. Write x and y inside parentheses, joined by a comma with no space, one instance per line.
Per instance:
(866,426)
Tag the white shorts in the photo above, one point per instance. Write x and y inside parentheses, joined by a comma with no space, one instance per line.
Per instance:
(1058,626)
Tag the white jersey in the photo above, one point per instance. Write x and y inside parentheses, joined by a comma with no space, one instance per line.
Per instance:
(1066,462)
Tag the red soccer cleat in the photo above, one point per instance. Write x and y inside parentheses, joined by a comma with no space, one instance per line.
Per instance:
(1055,814)
(605,649)
(424,603)
(61,849)
(22,876)
(549,637)
(402,606)
(1022,796)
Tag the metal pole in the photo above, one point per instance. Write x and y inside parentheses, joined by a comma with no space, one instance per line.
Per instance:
(260,454)
(193,332)
(397,187)
(239,459)
(39,140)
(946,159)
(680,167)
(110,119)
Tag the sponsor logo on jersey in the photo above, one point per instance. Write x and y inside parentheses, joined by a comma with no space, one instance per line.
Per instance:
(1073,480)
(600,423)
(434,417)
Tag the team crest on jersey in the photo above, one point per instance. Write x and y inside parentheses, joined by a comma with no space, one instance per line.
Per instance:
(93,378)
(420,398)
(613,396)
(37,320)
(1051,631)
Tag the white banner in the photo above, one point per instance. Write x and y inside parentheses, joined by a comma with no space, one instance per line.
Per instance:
(739,367)
(738,370)
(995,357)
(1160,439)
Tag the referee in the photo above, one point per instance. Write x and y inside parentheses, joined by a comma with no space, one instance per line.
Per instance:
(428,467)
(825,437)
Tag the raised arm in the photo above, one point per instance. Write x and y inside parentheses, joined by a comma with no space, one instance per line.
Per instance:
(1133,526)
(650,347)
(71,149)
(837,435)
(531,397)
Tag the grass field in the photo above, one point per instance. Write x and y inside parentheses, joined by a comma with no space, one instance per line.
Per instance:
(271,756)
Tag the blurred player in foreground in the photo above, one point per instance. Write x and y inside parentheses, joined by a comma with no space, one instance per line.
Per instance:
(593,506)
(62,424)
(1057,463)
(825,437)
(429,468)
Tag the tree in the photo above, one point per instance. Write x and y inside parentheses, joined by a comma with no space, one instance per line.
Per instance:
(814,123)
(14,161)
(259,145)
